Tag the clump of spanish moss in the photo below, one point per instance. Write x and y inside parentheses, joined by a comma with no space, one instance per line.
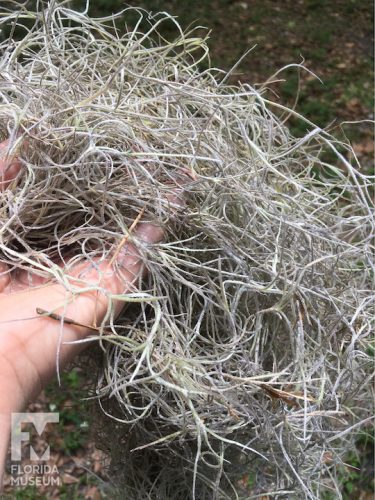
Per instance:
(244,350)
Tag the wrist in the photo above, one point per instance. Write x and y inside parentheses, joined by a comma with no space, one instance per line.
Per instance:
(12,399)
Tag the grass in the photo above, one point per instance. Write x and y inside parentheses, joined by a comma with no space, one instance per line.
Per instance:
(356,475)
(68,436)
(67,401)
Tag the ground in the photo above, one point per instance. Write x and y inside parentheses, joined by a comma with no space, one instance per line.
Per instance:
(334,40)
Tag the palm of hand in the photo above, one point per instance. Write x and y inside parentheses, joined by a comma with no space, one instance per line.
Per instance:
(29,343)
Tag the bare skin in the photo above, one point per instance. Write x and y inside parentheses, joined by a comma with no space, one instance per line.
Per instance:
(28,346)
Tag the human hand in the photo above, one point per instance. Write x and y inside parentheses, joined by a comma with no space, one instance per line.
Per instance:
(29,343)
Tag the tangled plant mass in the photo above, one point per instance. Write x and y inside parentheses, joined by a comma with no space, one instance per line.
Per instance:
(246,347)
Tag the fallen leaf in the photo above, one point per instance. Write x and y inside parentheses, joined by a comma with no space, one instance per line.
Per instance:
(69,479)
(93,493)
(364,147)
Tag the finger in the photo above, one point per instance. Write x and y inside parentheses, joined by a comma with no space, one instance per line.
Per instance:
(4,276)
(22,279)
(10,166)
(121,275)
(148,233)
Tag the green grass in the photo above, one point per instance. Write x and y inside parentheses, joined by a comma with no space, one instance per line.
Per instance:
(355,476)
(27,493)
(73,423)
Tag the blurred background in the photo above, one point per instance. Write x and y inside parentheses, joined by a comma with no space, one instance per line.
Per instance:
(334,39)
